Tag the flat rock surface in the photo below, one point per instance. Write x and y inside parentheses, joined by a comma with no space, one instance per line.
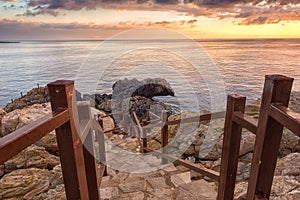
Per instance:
(166,183)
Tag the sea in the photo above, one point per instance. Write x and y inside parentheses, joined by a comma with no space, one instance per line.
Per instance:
(201,72)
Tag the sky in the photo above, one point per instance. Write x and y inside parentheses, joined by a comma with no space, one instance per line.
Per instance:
(102,19)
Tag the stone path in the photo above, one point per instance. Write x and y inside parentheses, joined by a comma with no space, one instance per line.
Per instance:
(136,176)
(170,182)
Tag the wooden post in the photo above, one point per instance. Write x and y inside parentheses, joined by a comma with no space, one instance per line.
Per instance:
(100,120)
(164,135)
(102,155)
(133,130)
(69,143)
(125,121)
(144,123)
(89,154)
(277,89)
(101,142)
(231,147)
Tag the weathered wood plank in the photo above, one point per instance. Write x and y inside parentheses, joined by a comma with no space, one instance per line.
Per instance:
(87,136)
(164,135)
(197,167)
(245,121)
(277,89)
(62,95)
(286,117)
(231,147)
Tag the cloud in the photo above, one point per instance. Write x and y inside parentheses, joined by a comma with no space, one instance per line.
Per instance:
(40,12)
(22,29)
(12,29)
(268,14)
(247,12)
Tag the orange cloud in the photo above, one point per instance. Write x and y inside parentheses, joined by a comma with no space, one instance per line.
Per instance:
(247,12)
(21,29)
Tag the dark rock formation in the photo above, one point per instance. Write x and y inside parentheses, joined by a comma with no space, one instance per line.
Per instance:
(127,95)
(146,88)
(132,94)
(37,95)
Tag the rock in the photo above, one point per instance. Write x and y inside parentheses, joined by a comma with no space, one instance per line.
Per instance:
(49,143)
(109,192)
(147,88)
(244,165)
(18,118)
(161,193)
(100,101)
(1,170)
(293,195)
(35,96)
(211,147)
(289,143)
(58,193)
(286,184)
(56,176)
(135,95)
(129,95)
(141,106)
(145,175)
(247,142)
(32,157)
(253,109)
(157,182)
(195,190)
(24,183)
(240,190)
(133,186)
(2,113)
(169,168)
(108,122)
(295,101)
(283,186)
(182,178)
(246,145)
(291,165)
(130,196)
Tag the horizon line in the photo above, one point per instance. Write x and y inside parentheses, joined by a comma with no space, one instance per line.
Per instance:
(155,39)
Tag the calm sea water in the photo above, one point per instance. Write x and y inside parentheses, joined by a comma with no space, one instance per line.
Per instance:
(201,69)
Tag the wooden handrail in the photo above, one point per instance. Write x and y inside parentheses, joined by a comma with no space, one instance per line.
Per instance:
(286,117)
(196,167)
(138,124)
(277,90)
(203,117)
(79,166)
(200,118)
(15,142)
(111,114)
(245,121)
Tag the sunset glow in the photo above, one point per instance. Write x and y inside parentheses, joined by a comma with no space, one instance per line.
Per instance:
(93,19)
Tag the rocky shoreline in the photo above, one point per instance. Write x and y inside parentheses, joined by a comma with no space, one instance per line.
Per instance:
(35,173)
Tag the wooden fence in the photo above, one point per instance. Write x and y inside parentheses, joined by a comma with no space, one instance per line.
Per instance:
(82,175)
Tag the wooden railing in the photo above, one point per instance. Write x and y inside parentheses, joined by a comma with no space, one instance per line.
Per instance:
(273,116)
(76,135)
(81,174)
